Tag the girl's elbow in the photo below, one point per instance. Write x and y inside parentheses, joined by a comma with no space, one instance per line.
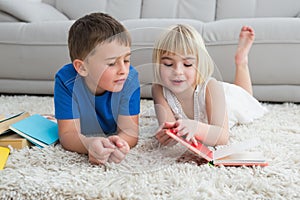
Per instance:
(223,140)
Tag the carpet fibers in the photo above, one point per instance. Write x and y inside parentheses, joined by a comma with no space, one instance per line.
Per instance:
(154,172)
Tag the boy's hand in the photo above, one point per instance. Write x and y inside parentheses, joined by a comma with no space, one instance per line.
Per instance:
(99,150)
(162,137)
(122,148)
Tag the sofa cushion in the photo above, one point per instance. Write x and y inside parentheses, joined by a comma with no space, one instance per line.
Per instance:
(50,2)
(202,10)
(33,51)
(256,8)
(273,58)
(121,10)
(28,11)
(4,17)
(268,30)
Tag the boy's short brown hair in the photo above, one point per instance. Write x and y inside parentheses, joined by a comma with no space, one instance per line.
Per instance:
(93,29)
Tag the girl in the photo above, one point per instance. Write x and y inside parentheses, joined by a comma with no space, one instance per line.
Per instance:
(188,100)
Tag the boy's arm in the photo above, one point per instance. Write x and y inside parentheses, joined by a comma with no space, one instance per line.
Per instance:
(128,129)
(98,148)
(70,136)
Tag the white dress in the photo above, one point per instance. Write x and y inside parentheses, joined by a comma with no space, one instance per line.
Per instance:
(242,107)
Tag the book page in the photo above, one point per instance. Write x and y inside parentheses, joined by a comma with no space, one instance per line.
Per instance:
(242,159)
(235,148)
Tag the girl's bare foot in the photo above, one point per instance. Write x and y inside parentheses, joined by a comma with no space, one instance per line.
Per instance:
(242,74)
(246,39)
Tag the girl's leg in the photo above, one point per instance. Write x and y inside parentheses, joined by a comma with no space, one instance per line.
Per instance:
(242,75)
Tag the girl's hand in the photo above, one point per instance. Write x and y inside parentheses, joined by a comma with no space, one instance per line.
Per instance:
(188,128)
(99,150)
(162,137)
(122,148)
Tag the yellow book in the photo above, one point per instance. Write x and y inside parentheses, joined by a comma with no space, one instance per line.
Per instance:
(5,122)
(14,140)
(4,152)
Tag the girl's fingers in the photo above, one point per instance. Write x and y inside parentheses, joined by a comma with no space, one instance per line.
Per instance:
(172,142)
(163,138)
(168,125)
(189,137)
(181,131)
(194,141)
(169,142)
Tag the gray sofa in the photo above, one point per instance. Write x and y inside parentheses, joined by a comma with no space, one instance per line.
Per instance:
(33,39)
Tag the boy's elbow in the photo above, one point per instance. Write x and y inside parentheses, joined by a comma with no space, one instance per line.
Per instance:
(132,143)
(131,139)
(71,143)
(65,145)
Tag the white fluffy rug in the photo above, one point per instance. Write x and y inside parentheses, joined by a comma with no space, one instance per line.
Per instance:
(154,172)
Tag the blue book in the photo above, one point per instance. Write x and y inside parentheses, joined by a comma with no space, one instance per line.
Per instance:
(37,129)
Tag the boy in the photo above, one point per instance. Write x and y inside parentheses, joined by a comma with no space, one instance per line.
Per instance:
(97,96)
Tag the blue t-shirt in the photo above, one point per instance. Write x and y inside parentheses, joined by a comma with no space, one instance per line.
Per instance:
(97,114)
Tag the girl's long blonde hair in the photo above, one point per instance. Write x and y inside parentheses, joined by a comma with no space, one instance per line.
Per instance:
(183,40)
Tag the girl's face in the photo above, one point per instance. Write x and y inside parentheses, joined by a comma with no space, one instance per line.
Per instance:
(178,73)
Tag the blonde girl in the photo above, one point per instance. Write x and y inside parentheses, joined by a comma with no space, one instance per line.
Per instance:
(188,99)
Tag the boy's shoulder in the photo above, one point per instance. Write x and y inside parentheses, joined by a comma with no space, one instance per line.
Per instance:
(66,75)
(67,68)
(66,72)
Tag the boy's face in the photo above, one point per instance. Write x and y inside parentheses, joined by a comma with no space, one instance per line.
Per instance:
(107,67)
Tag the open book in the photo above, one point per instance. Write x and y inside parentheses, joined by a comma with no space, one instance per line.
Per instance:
(232,155)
